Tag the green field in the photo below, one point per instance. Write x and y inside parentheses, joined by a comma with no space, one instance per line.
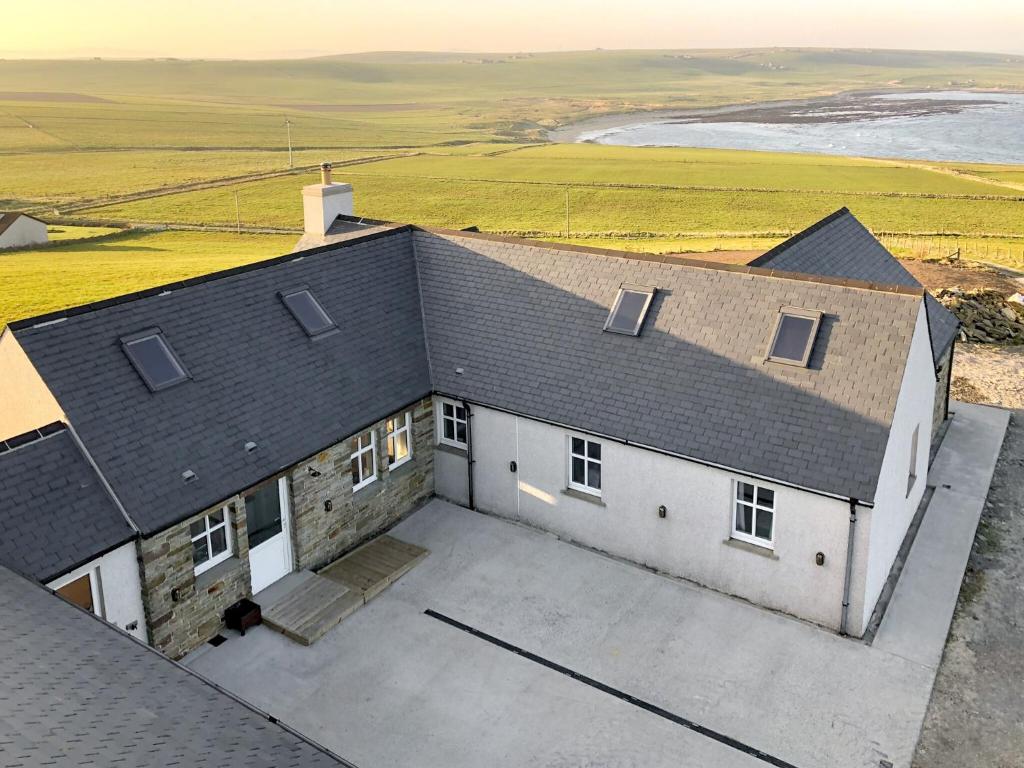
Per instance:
(42,280)
(456,140)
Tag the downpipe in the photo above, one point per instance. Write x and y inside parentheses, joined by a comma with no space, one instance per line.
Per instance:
(844,619)
(469,454)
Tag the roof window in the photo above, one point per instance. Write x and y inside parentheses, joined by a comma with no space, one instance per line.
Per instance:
(154,360)
(794,335)
(307,310)
(629,310)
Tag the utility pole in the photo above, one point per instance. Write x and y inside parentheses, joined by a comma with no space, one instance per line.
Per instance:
(238,217)
(288,125)
(566,213)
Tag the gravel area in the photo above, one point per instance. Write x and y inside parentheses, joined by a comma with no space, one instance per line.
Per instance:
(976,713)
(986,373)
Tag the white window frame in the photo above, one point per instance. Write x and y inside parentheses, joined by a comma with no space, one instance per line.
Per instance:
(752,538)
(455,424)
(216,559)
(587,461)
(94,587)
(405,419)
(358,453)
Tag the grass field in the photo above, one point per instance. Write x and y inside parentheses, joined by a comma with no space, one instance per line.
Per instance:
(462,137)
(37,281)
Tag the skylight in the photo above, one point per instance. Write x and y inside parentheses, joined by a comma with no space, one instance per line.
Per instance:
(154,360)
(307,310)
(629,310)
(794,336)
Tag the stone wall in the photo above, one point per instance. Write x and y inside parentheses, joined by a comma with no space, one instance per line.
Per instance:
(941,390)
(321,534)
(183,610)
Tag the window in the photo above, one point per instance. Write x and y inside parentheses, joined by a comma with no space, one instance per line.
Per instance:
(629,310)
(211,540)
(307,310)
(754,521)
(399,441)
(794,336)
(453,424)
(585,465)
(264,517)
(912,477)
(154,360)
(83,591)
(364,460)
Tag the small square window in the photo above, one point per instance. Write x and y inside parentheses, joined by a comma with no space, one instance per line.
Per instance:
(585,465)
(211,542)
(629,310)
(154,360)
(754,517)
(307,310)
(794,336)
(453,424)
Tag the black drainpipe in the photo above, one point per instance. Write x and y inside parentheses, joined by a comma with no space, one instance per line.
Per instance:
(469,452)
(843,621)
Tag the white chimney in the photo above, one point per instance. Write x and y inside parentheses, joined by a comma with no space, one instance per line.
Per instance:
(322,203)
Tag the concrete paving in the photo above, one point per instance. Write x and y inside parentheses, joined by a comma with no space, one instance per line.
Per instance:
(918,618)
(392,686)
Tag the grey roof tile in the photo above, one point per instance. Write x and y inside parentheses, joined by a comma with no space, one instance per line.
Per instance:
(840,246)
(54,511)
(694,382)
(76,691)
(255,374)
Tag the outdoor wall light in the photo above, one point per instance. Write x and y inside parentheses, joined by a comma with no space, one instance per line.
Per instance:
(820,558)
(662,511)
(313,472)
(328,505)
(512,466)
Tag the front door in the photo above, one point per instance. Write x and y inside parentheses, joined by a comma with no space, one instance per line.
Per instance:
(268,529)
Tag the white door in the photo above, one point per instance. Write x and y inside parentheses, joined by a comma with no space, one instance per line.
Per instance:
(267,521)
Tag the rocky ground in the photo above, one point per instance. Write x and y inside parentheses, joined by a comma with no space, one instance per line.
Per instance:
(976,714)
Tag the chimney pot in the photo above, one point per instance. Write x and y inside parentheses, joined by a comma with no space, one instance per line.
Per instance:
(325,173)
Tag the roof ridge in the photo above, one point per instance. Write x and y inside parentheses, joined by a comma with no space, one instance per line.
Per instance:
(81,309)
(786,244)
(683,261)
(32,436)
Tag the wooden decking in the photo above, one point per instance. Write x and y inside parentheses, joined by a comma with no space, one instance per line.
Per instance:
(374,565)
(321,601)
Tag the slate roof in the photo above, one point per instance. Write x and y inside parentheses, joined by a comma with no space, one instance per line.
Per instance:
(256,375)
(54,511)
(524,323)
(76,691)
(840,246)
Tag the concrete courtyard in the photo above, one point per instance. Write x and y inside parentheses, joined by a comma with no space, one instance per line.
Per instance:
(537,652)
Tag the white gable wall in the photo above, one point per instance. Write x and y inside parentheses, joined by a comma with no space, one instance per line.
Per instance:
(28,402)
(894,508)
(23,232)
(117,574)
(692,541)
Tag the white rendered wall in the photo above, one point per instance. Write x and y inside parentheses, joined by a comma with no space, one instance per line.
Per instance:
(692,541)
(24,231)
(894,509)
(120,589)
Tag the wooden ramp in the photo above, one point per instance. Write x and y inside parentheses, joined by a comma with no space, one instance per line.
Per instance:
(375,565)
(311,609)
(321,601)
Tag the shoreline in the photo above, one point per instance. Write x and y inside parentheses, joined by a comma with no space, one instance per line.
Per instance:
(764,111)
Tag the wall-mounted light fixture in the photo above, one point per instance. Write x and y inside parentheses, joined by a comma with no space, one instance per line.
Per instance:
(313,472)
(328,505)
(820,558)
(662,511)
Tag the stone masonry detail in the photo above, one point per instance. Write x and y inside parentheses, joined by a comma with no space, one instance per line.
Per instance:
(322,535)
(184,610)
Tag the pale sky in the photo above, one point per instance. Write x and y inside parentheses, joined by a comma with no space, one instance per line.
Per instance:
(293,28)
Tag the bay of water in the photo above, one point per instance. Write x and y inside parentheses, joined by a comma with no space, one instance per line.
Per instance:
(985,133)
